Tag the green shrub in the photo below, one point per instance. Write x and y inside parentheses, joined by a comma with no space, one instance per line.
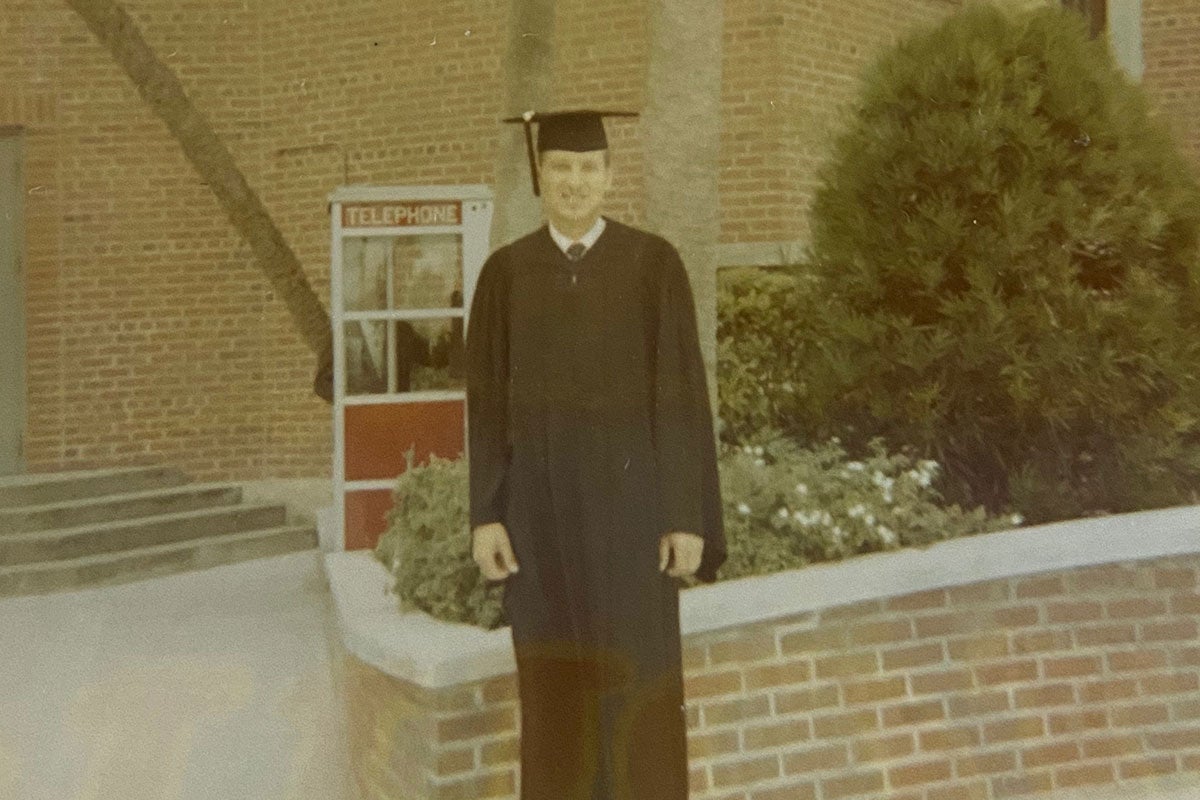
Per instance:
(427,547)
(764,332)
(1008,247)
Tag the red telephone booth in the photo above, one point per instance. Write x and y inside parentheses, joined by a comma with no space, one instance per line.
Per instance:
(404,264)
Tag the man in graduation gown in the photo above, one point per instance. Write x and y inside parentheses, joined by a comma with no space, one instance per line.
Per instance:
(593,478)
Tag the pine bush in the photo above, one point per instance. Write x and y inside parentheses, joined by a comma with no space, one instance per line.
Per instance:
(1007,242)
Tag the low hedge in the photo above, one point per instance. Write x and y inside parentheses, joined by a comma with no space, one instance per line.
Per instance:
(785,506)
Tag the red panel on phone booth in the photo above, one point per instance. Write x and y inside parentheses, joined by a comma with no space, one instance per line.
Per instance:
(378,435)
(366,517)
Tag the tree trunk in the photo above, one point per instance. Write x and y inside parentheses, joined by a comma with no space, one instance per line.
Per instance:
(528,80)
(681,130)
(163,92)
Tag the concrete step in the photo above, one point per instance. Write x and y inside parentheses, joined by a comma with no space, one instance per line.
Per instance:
(154,561)
(110,508)
(107,537)
(61,487)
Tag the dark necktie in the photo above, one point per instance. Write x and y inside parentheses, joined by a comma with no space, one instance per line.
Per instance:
(576,251)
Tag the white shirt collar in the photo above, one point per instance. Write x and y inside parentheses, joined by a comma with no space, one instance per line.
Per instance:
(587,240)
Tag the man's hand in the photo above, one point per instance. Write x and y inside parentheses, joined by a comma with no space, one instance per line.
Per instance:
(686,548)
(492,551)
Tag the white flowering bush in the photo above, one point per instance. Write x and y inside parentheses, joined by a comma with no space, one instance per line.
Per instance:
(787,506)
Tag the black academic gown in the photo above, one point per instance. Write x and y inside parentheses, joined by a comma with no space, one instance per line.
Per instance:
(590,436)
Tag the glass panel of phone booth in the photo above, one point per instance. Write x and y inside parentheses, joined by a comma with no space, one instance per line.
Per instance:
(419,355)
(366,357)
(381,273)
(430,355)
(364,273)
(427,271)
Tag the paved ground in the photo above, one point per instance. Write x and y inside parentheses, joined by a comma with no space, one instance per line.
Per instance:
(210,685)
(1175,787)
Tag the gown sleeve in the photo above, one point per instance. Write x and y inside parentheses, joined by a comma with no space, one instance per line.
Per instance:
(685,446)
(487,395)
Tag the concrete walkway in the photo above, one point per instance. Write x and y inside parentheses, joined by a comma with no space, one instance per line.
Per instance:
(209,685)
(1171,787)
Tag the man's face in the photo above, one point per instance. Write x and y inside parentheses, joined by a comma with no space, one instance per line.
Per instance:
(574,186)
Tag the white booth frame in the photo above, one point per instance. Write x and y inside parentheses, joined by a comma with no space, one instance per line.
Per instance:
(474,229)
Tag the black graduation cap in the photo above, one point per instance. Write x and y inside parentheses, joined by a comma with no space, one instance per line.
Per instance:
(577,131)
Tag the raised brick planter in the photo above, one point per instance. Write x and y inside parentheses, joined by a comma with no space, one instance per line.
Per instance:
(1011,664)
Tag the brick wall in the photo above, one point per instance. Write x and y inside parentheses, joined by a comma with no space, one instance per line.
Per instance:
(1171,51)
(145,313)
(989,690)
(152,335)
(790,69)
(458,743)
(979,691)
(374,93)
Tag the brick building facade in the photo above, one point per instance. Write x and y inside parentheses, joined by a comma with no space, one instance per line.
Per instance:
(151,336)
